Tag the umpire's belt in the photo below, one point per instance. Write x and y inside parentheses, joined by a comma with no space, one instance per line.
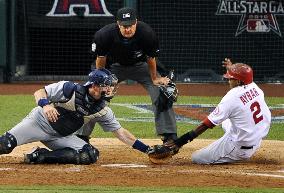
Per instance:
(246,147)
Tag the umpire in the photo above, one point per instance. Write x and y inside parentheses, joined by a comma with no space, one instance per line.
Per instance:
(129,49)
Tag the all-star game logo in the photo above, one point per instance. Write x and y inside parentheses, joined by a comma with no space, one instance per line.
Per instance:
(257,15)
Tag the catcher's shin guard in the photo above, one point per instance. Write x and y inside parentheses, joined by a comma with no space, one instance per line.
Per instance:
(7,143)
(87,155)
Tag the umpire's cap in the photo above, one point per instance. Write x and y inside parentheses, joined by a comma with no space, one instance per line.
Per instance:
(100,77)
(126,16)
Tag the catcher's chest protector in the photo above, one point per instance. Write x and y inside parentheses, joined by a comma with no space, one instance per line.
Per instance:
(85,104)
(72,112)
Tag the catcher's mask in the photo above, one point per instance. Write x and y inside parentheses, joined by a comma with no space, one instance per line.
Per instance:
(170,91)
(103,78)
(113,86)
(240,71)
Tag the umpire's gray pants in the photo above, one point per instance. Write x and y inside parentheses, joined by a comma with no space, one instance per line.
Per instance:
(165,121)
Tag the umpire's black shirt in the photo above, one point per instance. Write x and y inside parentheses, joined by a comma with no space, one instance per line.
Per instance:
(109,42)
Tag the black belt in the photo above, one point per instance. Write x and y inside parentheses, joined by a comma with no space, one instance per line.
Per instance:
(246,147)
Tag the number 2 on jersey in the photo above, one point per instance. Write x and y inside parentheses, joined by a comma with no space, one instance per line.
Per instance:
(255,109)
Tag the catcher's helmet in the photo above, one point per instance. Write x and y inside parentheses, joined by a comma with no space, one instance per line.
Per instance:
(240,71)
(103,77)
(100,77)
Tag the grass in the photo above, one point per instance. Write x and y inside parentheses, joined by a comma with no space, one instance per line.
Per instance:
(114,189)
(15,107)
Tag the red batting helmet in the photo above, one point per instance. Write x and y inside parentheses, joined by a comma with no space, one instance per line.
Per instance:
(240,71)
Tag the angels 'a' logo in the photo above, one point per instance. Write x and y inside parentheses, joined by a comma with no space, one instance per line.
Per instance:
(257,15)
(91,8)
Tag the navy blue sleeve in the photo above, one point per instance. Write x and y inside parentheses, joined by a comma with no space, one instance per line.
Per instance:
(68,89)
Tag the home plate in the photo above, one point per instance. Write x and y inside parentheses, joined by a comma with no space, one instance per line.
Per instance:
(124,165)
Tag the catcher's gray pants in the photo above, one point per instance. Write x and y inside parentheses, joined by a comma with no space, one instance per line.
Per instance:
(34,127)
(165,121)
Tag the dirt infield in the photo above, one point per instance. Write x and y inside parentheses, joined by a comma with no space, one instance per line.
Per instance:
(119,165)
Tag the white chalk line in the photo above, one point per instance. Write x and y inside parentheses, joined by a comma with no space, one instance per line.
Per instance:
(71,169)
(132,106)
(236,173)
(266,175)
(124,165)
(7,169)
(141,108)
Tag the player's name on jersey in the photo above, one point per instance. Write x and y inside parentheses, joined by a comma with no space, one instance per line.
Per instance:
(249,95)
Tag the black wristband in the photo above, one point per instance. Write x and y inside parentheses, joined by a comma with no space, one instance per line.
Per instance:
(140,146)
(42,102)
(189,136)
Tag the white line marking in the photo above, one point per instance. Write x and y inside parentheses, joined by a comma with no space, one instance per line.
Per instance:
(151,119)
(142,109)
(124,165)
(131,106)
(71,169)
(7,169)
(135,119)
(267,175)
(232,172)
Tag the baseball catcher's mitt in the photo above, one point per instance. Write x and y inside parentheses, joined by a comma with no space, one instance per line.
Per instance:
(159,154)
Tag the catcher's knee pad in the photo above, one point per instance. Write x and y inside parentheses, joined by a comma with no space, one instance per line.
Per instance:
(7,143)
(88,154)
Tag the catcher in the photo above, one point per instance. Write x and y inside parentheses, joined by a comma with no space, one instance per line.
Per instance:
(245,118)
(63,108)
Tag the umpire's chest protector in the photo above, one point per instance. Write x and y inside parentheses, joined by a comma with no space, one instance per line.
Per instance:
(79,110)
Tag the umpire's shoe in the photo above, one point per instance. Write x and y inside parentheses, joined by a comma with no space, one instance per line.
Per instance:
(168,138)
(34,156)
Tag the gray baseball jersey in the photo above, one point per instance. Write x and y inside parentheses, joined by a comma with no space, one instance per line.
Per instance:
(36,127)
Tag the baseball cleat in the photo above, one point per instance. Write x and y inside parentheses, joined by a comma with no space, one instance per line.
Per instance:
(34,155)
(31,157)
